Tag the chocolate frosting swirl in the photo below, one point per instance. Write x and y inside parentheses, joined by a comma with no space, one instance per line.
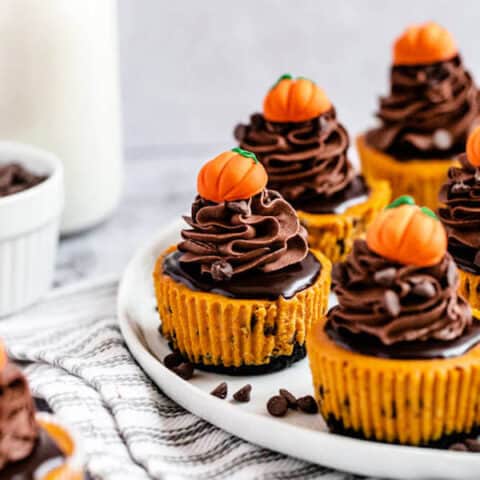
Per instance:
(305,160)
(395,302)
(429,111)
(460,214)
(18,429)
(226,239)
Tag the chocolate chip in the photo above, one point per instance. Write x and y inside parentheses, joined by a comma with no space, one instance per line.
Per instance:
(240,132)
(184,370)
(391,303)
(307,404)
(15,178)
(473,445)
(240,206)
(452,274)
(385,277)
(424,289)
(289,397)
(221,270)
(277,406)
(173,360)
(243,395)
(220,391)
(6,176)
(458,447)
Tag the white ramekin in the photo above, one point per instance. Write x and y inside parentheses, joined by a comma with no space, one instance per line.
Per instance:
(29,229)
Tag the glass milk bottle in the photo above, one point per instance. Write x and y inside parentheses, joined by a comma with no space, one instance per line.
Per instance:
(59,90)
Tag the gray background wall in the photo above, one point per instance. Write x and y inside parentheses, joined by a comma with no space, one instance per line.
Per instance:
(192,69)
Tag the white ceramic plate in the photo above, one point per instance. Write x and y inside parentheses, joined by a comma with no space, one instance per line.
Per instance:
(301,435)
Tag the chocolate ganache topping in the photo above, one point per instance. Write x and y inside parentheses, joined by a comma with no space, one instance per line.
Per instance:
(306,162)
(429,111)
(460,214)
(393,303)
(260,234)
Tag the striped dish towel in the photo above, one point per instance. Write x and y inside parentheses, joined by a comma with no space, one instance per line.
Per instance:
(79,363)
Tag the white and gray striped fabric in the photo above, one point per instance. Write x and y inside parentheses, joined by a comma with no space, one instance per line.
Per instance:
(78,362)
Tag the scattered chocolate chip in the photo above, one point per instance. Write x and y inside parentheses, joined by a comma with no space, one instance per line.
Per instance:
(307,404)
(424,289)
(458,447)
(243,395)
(385,277)
(240,206)
(473,445)
(452,275)
(173,360)
(184,370)
(221,270)
(277,406)
(391,303)
(220,391)
(240,132)
(289,397)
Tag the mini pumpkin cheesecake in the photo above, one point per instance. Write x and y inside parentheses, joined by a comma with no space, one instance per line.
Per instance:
(239,293)
(460,213)
(32,446)
(398,359)
(424,121)
(304,150)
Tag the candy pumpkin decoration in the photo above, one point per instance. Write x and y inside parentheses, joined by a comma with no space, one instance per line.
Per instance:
(294,100)
(473,147)
(423,44)
(232,175)
(408,234)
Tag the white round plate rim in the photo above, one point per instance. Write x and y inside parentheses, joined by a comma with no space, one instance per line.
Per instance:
(326,449)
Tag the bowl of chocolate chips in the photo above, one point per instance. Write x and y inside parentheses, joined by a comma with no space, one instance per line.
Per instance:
(31,203)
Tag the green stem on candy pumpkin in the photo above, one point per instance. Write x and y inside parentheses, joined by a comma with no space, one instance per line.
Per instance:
(403,200)
(245,153)
(285,76)
(429,212)
(408,200)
